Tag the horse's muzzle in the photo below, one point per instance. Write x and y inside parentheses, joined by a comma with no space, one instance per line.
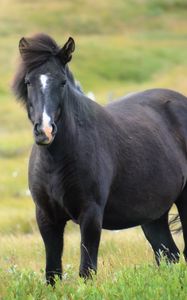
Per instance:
(44,135)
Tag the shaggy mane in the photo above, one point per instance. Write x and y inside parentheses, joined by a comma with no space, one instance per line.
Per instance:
(37,50)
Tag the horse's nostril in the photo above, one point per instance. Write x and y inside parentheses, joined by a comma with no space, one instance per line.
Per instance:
(54,128)
(37,129)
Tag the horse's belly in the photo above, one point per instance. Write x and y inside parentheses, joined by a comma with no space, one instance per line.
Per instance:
(142,196)
(116,223)
(124,218)
(124,210)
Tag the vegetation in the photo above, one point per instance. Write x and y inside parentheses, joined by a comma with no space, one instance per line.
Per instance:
(129,283)
(121,47)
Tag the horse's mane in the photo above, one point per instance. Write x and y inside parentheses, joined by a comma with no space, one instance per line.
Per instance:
(35,51)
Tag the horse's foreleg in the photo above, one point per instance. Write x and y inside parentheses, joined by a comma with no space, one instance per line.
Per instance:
(53,239)
(90,226)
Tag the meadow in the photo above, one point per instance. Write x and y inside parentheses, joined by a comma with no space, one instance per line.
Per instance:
(121,47)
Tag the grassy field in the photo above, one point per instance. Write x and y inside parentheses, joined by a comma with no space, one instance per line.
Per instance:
(121,47)
(126,269)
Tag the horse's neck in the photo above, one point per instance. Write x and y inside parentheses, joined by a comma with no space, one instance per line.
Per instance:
(82,122)
(78,115)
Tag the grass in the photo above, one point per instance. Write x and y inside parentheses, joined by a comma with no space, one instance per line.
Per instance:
(140,282)
(126,269)
(121,46)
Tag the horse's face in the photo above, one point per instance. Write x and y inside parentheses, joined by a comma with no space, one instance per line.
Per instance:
(45,86)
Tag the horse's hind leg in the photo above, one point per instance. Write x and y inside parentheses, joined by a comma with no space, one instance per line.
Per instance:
(182,209)
(159,236)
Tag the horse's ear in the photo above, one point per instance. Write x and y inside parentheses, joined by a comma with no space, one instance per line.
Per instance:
(23,43)
(65,53)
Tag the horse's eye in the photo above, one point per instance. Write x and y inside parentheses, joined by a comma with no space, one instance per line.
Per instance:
(63,82)
(27,82)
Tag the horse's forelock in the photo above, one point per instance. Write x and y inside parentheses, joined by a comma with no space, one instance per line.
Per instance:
(34,51)
(37,50)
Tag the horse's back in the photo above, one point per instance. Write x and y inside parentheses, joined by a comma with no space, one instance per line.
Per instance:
(155,117)
(151,97)
(161,110)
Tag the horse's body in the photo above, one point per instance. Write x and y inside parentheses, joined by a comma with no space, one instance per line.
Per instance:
(109,167)
(153,161)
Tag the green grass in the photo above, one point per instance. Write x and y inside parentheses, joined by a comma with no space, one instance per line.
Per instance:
(138,282)
(126,269)
(121,46)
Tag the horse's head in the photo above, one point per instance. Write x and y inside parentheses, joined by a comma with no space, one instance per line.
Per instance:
(41,83)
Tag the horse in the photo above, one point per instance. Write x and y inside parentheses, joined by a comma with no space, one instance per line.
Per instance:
(113,167)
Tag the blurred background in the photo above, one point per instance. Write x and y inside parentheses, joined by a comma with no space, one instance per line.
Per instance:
(121,47)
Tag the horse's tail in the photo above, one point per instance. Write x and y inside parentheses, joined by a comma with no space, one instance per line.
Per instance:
(175,224)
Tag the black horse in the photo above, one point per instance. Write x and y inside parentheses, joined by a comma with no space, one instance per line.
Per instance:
(110,167)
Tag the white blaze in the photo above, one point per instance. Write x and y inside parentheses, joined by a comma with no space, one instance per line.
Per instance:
(46,126)
(45,120)
(43,80)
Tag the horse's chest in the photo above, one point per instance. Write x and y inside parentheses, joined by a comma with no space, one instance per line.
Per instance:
(66,193)
(53,186)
